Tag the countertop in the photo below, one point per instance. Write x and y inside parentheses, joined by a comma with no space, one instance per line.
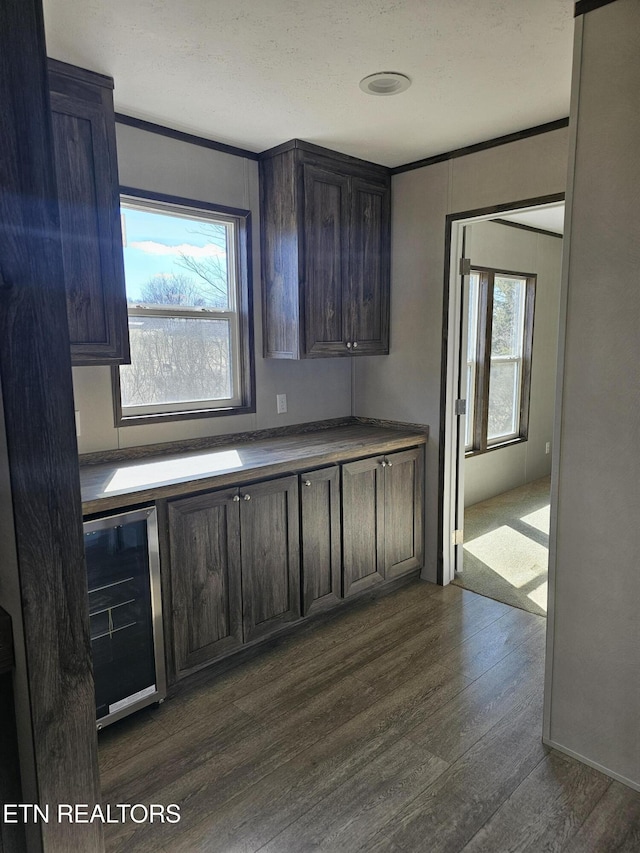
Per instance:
(121,484)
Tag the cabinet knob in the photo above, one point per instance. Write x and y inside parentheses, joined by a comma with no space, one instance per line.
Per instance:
(355,344)
(247,497)
(307,482)
(348,344)
(384,463)
(389,463)
(236,498)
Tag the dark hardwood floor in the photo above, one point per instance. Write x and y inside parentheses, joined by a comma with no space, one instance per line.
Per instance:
(410,722)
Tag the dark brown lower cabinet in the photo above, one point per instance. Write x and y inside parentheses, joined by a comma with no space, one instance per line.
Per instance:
(246,561)
(235,568)
(204,535)
(403,512)
(270,547)
(362,524)
(320,539)
(382,517)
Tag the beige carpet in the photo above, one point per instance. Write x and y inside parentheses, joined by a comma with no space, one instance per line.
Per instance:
(506,547)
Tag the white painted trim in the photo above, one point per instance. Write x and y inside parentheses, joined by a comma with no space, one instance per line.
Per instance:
(635,786)
(451,490)
(557,423)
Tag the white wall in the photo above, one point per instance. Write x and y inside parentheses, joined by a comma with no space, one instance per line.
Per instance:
(316,389)
(503,247)
(592,696)
(406,384)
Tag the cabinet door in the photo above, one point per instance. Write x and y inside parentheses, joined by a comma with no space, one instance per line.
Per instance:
(363,524)
(270,555)
(204,534)
(326,247)
(88,199)
(320,546)
(368,303)
(403,512)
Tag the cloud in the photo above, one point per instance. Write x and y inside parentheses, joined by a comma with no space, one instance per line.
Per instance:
(152,247)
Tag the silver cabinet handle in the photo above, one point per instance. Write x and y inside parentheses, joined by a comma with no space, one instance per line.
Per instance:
(389,463)
(246,497)
(384,463)
(355,344)
(307,482)
(348,344)
(236,498)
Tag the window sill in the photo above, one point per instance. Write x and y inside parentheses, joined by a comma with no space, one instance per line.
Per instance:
(167,417)
(510,443)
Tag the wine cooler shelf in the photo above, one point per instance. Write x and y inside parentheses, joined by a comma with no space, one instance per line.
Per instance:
(125,613)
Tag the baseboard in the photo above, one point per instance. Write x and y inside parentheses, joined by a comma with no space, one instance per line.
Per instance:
(594,764)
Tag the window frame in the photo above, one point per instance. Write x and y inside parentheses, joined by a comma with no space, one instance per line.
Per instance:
(242,340)
(480,413)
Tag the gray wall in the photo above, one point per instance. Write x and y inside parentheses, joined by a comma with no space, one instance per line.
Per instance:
(406,384)
(315,389)
(592,698)
(503,247)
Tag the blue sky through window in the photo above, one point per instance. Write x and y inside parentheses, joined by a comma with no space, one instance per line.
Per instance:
(154,241)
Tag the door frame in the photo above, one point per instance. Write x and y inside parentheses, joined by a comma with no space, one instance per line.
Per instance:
(451,462)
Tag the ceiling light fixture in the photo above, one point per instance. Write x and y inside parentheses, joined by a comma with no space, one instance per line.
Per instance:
(385,83)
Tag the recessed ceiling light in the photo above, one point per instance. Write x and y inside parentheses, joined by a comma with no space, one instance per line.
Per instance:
(385,83)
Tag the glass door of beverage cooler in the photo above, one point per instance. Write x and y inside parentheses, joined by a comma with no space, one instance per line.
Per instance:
(125,612)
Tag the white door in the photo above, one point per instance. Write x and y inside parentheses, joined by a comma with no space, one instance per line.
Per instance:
(456,419)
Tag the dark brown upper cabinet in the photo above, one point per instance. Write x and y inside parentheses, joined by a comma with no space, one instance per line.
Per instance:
(88,198)
(325,253)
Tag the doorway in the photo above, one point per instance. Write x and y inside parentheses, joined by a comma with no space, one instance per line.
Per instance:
(502,322)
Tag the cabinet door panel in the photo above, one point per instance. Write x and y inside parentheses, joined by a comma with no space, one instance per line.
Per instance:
(80,223)
(363,524)
(86,171)
(403,506)
(320,526)
(369,267)
(280,257)
(270,555)
(204,538)
(326,213)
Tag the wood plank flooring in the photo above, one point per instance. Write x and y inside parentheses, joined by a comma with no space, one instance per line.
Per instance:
(410,722)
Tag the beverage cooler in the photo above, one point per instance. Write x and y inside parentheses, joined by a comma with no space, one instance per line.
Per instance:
(125,612)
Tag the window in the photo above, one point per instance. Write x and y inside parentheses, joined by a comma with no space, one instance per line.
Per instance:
(499,342)
(189,303)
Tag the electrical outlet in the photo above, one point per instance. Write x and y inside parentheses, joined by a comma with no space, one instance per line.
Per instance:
(547,447)
(78,429)
(281,403)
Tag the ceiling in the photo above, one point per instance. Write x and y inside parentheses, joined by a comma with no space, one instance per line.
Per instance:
(547,218)
(255,73)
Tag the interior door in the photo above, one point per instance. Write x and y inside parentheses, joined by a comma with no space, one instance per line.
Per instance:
(460,413)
